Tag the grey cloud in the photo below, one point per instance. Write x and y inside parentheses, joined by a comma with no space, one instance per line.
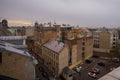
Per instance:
(82,12)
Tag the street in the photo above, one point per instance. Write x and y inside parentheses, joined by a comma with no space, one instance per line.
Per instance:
(86,67)
(39,73)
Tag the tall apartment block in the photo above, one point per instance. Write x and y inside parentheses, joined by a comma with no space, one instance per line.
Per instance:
(105,40)
(62,46)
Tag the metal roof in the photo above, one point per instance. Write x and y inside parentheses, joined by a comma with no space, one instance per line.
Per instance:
(12,48)
(54,45)
(113,75)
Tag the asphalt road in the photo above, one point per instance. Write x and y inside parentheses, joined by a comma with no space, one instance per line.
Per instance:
(86,67)
(39,74)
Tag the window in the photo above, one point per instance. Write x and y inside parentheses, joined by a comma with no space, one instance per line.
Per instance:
(83,54)
(113,39)
(113,46)
(113,35)
(83,39)
(83,48)
(54,56)
(83,43)
(0,57)
(70,75)
(96,45)
(98,41)
(70,57)
(98,37)
(113,43)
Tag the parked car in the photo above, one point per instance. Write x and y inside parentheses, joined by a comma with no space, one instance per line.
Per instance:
(93,73)
(95,56)
(95,70)
(51,78)
(88,61)
(41,69)
(45,75)
(105,58)
(112,69)
(116,60)
(78,69)
(37,78)
(101,64)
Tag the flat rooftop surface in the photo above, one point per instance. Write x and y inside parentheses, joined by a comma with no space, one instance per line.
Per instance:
(113,75)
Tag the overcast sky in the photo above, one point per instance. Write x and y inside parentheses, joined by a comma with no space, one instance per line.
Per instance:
(85,13)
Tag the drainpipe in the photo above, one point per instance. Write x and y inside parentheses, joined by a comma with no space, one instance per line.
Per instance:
(24,42)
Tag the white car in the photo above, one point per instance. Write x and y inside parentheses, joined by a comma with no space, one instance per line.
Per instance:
(78,69)
(116,59)
(112,69)
(92,74)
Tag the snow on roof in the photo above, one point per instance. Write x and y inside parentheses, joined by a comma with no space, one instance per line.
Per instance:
(86,30)
(49,24)
(114,75)
(110,31)
(66,26)
(9,47)
(70,38)
(12,37)
(54,45)
(113,31)
(98,30)
(13,45)
(46,25)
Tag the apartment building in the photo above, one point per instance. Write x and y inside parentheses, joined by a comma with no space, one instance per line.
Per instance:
(43,33)
(80,49)
(16,65)
(76,46)
(105,40)
(66,31)
(29,31)
(55,55)
(118,32)
(15,61)
(21,31)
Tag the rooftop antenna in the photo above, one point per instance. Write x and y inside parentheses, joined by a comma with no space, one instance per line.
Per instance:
(50,24)
(54,22)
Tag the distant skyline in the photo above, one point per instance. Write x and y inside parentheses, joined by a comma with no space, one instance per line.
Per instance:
(85,13)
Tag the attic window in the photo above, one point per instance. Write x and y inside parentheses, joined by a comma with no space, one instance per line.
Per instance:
(113,35)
